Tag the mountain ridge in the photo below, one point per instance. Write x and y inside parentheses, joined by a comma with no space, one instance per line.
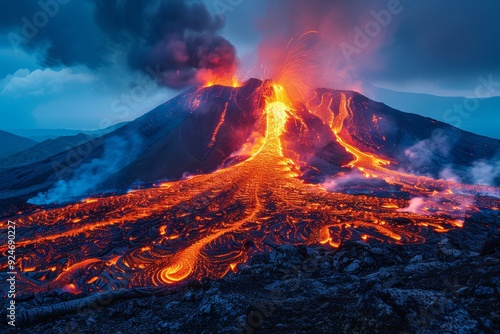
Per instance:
(200,129)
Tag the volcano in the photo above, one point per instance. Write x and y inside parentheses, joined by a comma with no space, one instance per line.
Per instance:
(203,129)
(219,175)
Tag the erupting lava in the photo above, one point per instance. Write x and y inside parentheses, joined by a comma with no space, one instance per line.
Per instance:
(208,225)
(222,81)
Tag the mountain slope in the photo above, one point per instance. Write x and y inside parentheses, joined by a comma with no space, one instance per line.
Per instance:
(175,138)
(467,114)
(12,143)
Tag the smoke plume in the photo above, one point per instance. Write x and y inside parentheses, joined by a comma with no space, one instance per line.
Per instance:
(117,151)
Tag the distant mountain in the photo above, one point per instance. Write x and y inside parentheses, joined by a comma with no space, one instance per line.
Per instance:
(478,120)
(11,143)
(201,130)
(40,135)
(415,143)
(44,150)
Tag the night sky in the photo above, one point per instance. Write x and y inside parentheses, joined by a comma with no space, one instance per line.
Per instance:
(86,64)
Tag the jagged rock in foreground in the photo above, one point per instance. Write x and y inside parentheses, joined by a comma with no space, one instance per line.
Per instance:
(451,284)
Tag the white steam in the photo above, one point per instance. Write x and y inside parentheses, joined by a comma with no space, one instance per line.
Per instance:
(335,184)
(117,151)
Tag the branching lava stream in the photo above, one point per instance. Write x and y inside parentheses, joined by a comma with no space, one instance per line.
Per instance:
(208,225)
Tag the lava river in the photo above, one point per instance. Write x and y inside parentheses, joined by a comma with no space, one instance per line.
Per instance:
(208,225)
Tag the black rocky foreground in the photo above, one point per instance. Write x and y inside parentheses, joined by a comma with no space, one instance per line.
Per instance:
(450,284)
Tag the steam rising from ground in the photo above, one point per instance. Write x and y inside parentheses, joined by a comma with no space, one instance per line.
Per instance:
(87,178)
(427,154)
(176,41)
(482,172)
(424,153)
(438,204)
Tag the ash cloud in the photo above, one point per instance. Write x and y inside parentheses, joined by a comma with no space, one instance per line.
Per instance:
(118,151)
(176,41)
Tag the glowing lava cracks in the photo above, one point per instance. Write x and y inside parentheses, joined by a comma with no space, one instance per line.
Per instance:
(210,224)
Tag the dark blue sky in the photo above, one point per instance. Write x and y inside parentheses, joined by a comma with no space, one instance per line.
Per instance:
(86,64)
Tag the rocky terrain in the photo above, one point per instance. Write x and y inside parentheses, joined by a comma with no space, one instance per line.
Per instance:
(450,284)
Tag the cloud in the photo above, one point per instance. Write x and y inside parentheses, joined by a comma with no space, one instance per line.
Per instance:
(448,174)
(42,82)
(62,35)
(444,41)
(173,40)
(423,155)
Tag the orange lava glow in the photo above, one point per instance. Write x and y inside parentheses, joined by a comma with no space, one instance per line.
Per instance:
(221,81)
(208,225)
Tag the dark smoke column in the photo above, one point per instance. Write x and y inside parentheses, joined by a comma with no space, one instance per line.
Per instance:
(176,40)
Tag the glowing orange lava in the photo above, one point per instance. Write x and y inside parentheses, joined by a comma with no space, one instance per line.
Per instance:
(208,225)
(221,81)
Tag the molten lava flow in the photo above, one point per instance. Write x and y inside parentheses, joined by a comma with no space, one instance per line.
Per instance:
(208,225)
(362,160)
